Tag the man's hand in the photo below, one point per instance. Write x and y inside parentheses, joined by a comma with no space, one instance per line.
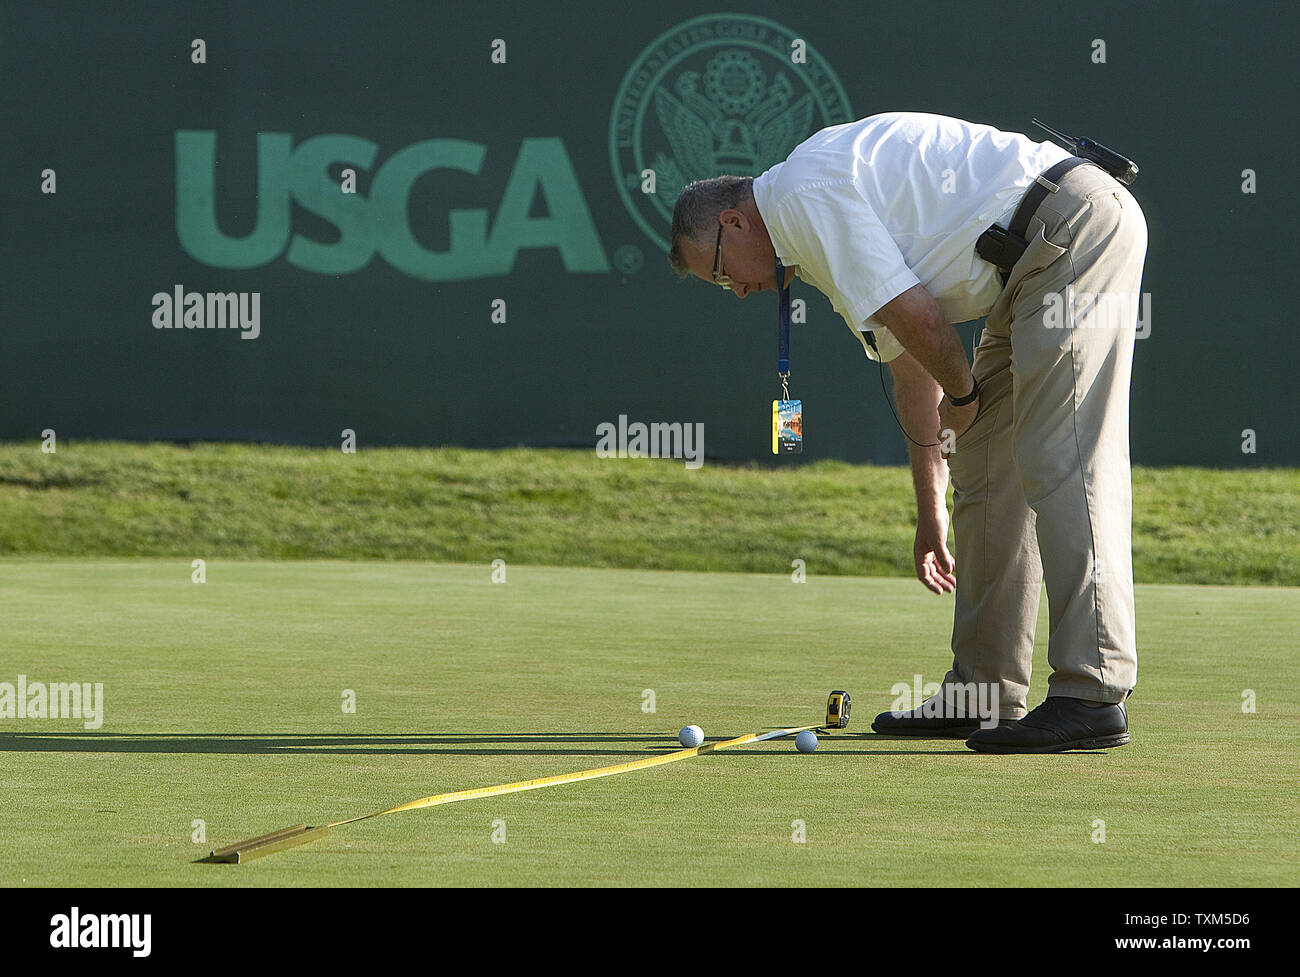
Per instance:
(955,420)
(935,566)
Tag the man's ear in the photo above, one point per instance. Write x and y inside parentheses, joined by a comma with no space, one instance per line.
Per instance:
(735,218)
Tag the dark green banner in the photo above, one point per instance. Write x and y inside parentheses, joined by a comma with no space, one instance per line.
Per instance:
(431,223)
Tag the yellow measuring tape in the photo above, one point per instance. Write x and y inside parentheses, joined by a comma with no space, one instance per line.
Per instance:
(301,834)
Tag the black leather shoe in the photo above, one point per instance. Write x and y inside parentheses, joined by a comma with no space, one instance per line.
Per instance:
(1060,723)
(915,722)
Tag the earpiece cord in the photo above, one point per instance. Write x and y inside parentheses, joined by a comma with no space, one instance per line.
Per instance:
(885,391)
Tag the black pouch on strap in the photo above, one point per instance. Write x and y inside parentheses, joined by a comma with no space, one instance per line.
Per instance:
(1003,248)
(1000,247)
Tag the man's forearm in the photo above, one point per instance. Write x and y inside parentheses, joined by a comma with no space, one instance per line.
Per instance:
(916,322)
(918,395)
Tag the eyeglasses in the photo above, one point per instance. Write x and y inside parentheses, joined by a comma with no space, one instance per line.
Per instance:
(723,280)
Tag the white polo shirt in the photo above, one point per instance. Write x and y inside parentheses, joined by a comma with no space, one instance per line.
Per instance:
(868,209)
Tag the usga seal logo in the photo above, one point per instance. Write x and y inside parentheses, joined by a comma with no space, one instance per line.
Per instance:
(725,93)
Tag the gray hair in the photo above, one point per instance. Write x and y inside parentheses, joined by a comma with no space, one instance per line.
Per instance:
(696,212)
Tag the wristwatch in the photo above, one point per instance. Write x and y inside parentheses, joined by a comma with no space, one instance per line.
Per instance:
(969,398)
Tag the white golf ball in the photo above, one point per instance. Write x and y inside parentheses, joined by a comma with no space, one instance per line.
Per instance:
(806,741)
(690,736)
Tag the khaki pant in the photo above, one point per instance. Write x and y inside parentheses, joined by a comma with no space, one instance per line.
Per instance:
(1041,480)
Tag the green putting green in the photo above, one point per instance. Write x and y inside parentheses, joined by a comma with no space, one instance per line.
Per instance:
(223,718)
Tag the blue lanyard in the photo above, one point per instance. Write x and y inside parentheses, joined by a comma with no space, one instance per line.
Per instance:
(783,326)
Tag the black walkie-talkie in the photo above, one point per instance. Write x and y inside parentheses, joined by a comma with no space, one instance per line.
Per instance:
(1120,167)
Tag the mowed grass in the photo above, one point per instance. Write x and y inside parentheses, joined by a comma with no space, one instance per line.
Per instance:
(570,508)
(223,706)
